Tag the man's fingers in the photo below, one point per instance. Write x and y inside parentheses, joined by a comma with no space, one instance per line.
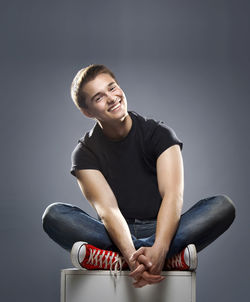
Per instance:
(137,253)
(141,272)
(140,283)
(144,260)
(144,264)
(138,271)
(152,278)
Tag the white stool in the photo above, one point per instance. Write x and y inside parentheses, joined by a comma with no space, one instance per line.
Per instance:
(99,285)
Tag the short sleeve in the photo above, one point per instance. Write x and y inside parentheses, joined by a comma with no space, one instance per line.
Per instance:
(82,158)
(163,138)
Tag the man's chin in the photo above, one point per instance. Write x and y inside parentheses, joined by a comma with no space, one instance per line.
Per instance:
(118,115)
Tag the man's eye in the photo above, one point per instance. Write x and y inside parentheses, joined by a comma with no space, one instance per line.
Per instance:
(98,99)
(112,88)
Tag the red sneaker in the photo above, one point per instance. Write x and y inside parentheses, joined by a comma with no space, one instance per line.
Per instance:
(84,255)
(186,260)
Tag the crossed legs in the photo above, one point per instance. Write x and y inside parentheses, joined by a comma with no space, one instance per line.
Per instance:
(200,225)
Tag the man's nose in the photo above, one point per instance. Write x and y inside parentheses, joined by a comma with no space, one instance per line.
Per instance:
(112,98)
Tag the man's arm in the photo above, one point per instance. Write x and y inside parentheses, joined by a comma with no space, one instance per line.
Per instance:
(171,185)
(98,192)
(170,177)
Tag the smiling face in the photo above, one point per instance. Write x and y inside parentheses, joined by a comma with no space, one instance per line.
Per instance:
(105,100)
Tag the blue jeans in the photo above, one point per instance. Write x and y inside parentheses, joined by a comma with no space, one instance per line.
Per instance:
(200,225)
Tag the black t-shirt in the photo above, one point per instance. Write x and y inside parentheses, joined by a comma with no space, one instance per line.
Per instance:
(128,165)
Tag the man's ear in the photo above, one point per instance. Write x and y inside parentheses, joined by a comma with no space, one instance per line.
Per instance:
(86,112)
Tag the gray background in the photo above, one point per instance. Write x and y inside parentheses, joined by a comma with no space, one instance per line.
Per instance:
(183,62)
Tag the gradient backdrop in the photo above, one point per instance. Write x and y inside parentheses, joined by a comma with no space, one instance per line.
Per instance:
(183,62)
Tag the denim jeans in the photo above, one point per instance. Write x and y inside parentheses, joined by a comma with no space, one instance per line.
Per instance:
(200,225)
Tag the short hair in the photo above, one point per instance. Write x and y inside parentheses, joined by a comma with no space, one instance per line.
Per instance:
(82,77)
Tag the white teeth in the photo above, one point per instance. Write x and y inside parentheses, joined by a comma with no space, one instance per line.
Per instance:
(113,108)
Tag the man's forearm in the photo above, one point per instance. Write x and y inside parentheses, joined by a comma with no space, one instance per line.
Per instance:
(118,230)
(167,221)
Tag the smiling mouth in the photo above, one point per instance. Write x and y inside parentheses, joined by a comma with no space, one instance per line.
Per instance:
(115,106)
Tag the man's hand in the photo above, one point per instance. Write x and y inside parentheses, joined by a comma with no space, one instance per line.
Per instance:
(155,257)
(139,271)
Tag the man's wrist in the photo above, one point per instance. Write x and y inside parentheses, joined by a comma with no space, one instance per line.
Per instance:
(160,247)
(127,253)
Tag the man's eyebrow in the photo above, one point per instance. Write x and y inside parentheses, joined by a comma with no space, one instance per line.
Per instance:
(110,84)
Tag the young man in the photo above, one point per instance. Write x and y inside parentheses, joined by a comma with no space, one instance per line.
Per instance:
(130,169)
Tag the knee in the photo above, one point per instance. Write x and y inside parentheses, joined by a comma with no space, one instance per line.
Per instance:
(227,207)
(51,214)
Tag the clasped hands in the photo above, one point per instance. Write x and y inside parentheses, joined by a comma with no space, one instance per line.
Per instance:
(146,265)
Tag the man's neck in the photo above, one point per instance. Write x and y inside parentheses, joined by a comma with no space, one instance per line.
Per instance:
(118,129)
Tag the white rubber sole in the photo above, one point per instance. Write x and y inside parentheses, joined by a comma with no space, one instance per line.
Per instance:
(192,257)
(75,257)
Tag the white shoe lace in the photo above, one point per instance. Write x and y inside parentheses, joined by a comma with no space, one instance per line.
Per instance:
(96,256)
(117,264)
(175,262)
